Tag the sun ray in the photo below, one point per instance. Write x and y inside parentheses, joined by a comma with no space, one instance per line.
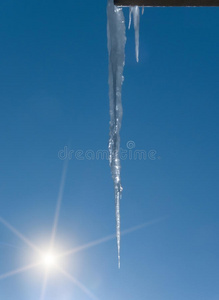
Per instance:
(55,224)
(88,245)
(17,271)
(59,202)
(45,280)
(2,244)
(19,235)
(141,226)
(78,283)
(110,237)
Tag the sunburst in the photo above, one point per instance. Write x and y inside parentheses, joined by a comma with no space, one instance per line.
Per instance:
(49,258)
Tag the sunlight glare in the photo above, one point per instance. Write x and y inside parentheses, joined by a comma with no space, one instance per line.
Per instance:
(49,259)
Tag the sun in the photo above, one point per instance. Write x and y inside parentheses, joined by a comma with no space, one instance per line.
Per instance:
(49,259)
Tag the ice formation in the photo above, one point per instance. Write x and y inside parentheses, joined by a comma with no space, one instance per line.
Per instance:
(116,48)
(135,11)
(116,34)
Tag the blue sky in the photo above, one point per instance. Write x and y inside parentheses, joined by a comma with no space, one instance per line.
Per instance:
(54,93)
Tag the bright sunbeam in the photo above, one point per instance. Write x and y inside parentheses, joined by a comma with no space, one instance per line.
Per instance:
(59,202)
(49,259)
(111,237)
(19,235)
(44,285)
(18,271)
(78,283)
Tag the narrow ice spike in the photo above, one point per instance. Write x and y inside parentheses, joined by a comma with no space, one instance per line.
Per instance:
(116,34)
(136,19)
(116,39)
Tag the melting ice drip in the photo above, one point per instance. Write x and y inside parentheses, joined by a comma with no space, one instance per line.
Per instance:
(116,33)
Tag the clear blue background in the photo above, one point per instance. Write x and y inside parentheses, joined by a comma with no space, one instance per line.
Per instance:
(54,92)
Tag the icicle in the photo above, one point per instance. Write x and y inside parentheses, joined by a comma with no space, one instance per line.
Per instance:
(130,17)
(136,18)
(116,47)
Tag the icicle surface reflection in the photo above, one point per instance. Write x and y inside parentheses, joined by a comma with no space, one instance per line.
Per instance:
(116,34)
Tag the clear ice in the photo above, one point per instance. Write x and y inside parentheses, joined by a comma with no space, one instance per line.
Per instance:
(116,34)
(135,11)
